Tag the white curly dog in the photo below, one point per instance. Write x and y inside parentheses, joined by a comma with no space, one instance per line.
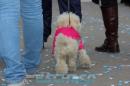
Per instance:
(68,45)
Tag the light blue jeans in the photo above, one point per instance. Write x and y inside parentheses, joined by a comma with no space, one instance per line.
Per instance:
(10,12)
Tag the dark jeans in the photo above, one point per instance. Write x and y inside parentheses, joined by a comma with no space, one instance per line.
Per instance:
(47,17)
(126,2)
(106,3)
(75,7)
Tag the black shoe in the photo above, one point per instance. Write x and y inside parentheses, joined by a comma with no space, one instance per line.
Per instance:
(43,47)
(109,48)
(45,40)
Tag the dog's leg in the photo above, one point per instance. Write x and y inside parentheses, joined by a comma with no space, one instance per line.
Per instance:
(61,66)
(84,58)
(72,63)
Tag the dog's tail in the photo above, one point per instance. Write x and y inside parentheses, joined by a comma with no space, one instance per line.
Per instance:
(65,45)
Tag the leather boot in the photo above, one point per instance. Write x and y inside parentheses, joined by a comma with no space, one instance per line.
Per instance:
(110,18)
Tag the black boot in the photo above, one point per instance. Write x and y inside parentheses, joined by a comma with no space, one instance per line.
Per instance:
(110,18)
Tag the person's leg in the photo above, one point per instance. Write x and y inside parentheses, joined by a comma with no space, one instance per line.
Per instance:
(31,12)
(126,2)
(75,6)
(9,41)
(122,1)
(63,5)
(110,17)
(47,17)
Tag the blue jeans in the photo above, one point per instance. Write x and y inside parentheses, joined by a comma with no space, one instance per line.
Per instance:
(10,12)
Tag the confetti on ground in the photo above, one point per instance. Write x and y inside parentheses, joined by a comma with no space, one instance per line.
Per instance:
(107,67)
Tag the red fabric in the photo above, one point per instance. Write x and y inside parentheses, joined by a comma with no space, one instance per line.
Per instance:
(69,32)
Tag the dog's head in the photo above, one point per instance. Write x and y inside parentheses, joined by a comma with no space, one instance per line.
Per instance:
(69,19)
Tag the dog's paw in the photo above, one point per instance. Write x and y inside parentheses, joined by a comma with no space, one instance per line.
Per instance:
(61,69)
(72,69)
(84,66)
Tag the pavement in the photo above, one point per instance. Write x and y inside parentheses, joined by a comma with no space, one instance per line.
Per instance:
(108,69)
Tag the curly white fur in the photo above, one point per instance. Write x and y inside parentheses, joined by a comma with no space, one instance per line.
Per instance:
(67,49)
(63,20)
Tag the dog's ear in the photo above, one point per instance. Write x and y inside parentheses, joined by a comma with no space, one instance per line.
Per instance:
(62,20)
(75,21)
(79,26)
(68,19)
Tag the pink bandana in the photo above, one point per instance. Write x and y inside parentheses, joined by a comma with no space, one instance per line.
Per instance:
(69,32)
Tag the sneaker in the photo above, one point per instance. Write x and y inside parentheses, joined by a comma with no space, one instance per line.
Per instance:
(31,73)
(17,84)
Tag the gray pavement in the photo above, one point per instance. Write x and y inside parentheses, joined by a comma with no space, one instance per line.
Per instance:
(107,70)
